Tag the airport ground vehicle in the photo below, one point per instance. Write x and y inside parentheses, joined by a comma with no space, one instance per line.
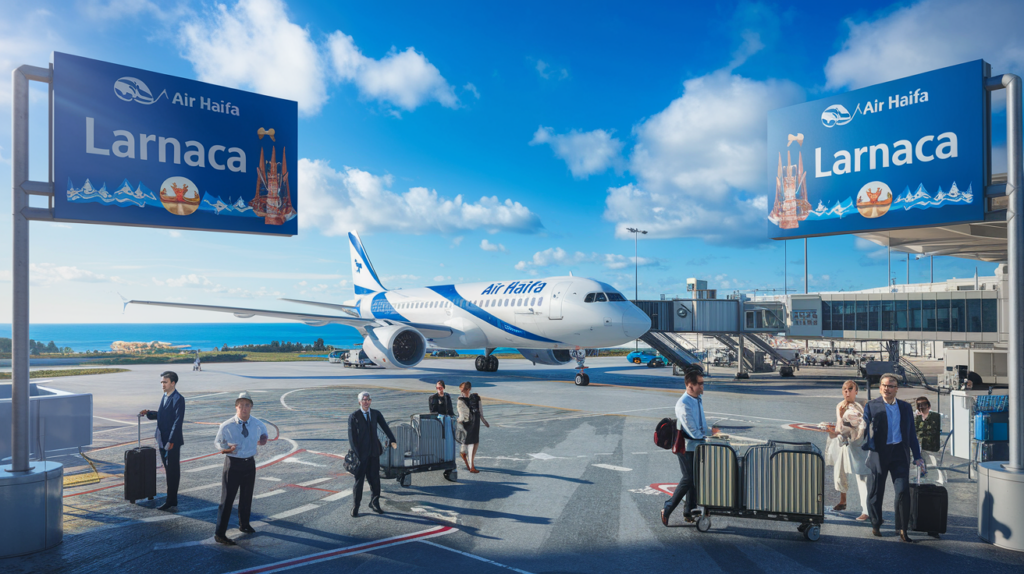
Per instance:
(357,358)
(646,357)
(445,353)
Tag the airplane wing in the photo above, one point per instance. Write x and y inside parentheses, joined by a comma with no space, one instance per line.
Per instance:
(314,320)
(350,309)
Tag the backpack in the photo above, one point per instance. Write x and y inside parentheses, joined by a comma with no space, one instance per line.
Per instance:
(665,433)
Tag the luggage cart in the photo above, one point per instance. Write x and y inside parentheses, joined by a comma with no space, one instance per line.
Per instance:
(426,443)
(777,481)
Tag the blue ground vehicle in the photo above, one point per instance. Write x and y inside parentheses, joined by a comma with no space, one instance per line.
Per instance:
(646,357)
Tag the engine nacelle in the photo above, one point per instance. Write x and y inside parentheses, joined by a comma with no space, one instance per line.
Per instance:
(547,356)
(395,346)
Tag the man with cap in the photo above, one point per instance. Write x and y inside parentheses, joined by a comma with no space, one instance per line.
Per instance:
(169,419)
(362,439)
(237,438)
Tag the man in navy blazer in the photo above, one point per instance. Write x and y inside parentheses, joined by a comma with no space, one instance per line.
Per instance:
(363,440)
(170,417)
(890,447)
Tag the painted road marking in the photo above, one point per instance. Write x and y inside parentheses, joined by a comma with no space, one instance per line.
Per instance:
(314,481)
(437,513)
(337,496)
(203,487)
(474,556)
(271,493)
(613,467)
(297,461)
(668,488)
(210,395)
(349,551)
(270,478)
(646,490)
(542,456)
(170,545)
(201,468)
(293,512)
(284,404)
(116,421)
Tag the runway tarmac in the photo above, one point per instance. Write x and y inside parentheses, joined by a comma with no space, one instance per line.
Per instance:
(570,479)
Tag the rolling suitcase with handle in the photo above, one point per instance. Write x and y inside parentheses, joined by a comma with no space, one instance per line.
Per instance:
(929,506)
(140,471)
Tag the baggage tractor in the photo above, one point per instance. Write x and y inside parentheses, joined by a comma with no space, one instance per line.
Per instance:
(426,443)
(140,471)
(929,506)
(716,476)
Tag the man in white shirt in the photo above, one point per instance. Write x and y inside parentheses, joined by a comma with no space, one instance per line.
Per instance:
(238,438)
(690,419)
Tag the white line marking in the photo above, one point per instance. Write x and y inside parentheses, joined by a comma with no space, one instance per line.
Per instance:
(293,512)
(115,421)
(270,478)
(203,487)
(613,467)
(285,405)
(762,418)
(201,468)
(271,493)
(314,481)
(543,456)
(210,395)
(294,460)
(170,545)
(295,447)
(474,556)
(337,496)
(644,452)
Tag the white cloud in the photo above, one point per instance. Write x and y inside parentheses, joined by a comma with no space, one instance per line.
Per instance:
(546,71)
(118,9)
(929,35)
(586,153)
(488,246)
(338,202)
(48,274)
(700,162)
(174,233)
(404,79)
(28,40)
(254,45)
(457,241)
(558,256)
(469,87)
(440,278)
(190,280)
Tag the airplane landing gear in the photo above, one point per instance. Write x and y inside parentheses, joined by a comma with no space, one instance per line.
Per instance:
(582,378)
(487,363)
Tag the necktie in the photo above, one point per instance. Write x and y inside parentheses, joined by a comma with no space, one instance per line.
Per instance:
(163,400)
(245,431)
(700,410)
(367,415)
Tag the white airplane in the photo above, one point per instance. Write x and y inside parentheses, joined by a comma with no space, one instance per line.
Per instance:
(544,319)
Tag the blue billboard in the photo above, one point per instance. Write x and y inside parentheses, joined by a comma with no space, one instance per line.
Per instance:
(133,147)
(906,153)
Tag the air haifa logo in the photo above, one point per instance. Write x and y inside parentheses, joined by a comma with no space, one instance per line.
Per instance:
(135,90)
(837,115)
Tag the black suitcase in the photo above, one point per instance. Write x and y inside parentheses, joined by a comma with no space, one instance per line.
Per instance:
(929,505)
(140,471)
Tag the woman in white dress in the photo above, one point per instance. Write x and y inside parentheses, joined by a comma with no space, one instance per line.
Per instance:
(851,460)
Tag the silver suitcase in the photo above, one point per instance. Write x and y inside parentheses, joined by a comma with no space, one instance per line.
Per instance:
(757,477)
(431,433)
(797,482)
(406,453)
(716,476)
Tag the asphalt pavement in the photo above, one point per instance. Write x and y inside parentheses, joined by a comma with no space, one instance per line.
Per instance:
(570,479)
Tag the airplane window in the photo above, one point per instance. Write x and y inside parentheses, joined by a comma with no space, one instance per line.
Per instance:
(601,298)
(589,298)
(519,303)
(616,297)
(540,300)
(533,301)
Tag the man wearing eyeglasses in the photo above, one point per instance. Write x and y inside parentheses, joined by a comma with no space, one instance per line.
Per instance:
(691,421)
(891,439)
(362,439)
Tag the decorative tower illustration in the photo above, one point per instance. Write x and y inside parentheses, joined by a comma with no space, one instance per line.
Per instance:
(791,203)
(275,206)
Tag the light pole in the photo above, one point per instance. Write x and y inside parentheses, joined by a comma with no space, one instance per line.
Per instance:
(636,268)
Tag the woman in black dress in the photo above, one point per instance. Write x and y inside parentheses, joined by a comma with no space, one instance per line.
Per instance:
(471,414)
(440,403)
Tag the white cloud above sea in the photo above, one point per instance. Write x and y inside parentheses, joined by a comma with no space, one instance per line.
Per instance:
(927,35)
(336,202)
(586,153)
(556,256)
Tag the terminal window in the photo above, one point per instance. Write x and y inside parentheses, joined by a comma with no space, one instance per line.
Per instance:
(922,315)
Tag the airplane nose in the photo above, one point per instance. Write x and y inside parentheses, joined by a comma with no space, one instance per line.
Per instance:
(635,323)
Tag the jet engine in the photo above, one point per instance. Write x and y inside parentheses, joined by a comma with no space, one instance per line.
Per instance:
(547,356)
(395,346)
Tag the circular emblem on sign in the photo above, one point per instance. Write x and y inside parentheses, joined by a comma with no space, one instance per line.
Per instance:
(179,195)
(874,199)
(682,312)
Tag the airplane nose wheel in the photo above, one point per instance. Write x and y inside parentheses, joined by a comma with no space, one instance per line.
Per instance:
(582,379)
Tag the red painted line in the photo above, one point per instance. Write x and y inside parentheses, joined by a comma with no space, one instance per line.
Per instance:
(808,427)
(312,488)
(349,551)
(94,490)
(276,430)
(668,488)
(199,457)
(289,455)
(339,457)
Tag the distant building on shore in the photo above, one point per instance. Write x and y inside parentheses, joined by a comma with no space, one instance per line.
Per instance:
(139,346)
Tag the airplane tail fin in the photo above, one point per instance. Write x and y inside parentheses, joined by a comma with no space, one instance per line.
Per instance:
(364,277)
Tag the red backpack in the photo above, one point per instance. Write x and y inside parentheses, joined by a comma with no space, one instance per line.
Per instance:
(665,433)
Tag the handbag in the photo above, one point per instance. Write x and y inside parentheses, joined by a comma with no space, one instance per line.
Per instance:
(460,433)
(679,443)
(351,463)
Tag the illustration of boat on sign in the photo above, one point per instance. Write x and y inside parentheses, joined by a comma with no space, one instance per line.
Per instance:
(874,199)
(273,201)
(181,199)
(791,203)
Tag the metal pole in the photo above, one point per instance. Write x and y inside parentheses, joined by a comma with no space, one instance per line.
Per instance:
(888,269)
(785,256)
(636,283)
(19,275)
(908,268)
(805,265)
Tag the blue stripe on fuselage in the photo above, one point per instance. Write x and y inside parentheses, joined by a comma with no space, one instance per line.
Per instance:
(449,293)
(381,308)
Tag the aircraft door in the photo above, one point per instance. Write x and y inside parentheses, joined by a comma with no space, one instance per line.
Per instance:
(558,293)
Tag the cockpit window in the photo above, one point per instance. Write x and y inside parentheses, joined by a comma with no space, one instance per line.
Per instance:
(589,298)
(601,298)
(616,297)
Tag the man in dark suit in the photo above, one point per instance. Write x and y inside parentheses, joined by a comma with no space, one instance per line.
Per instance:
(362,439)
(890,440)
(170,417)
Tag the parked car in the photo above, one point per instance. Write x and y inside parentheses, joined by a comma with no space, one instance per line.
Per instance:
(445,353)
(646,357)
(357,358)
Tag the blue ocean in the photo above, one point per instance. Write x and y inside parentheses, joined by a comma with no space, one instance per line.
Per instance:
(203,336)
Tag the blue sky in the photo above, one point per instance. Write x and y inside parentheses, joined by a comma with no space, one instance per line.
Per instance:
(472,142)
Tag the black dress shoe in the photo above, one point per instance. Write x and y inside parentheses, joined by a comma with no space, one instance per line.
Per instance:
(904,537)
(247,529)
(664,517)
(876,531)
(355,513)
(166,506)
(224,540)
(376,508)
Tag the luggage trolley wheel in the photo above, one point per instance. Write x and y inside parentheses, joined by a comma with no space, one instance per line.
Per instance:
(811,531)
(704,523)
(582,379)
(451,475)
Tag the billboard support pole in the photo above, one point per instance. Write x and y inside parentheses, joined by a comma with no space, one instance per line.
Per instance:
(30,490)
(1001,484)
